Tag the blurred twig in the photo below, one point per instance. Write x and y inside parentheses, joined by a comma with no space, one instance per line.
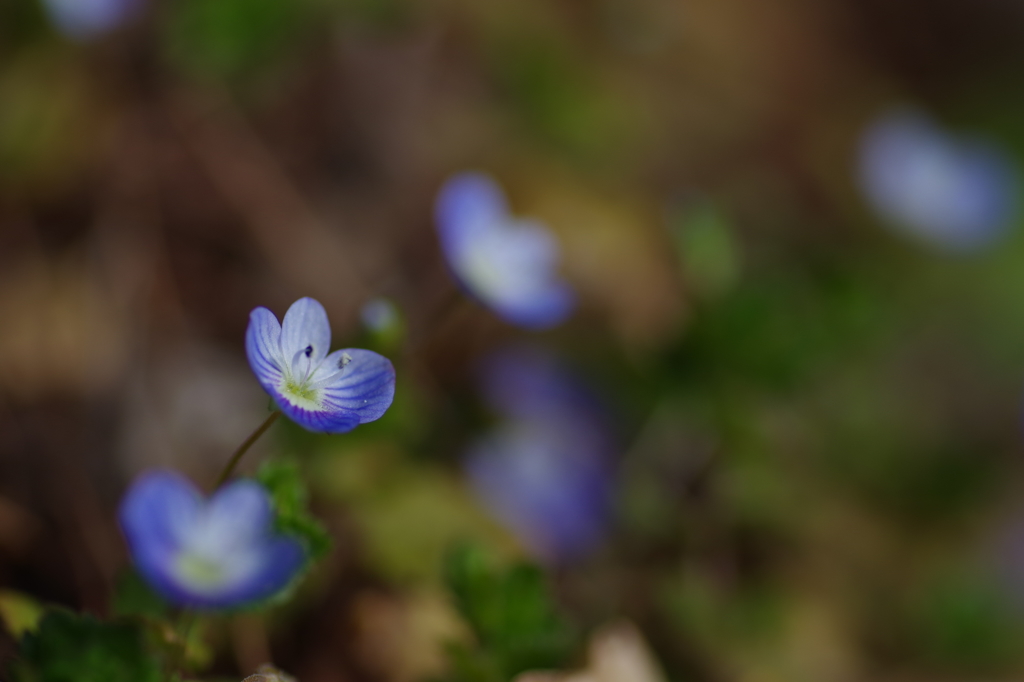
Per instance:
(309,255)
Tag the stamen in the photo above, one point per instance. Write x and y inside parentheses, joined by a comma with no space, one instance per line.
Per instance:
(300,373)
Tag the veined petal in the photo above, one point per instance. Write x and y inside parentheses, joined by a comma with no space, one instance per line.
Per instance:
(327,420)
(305,332)
(263,347)
(365,386)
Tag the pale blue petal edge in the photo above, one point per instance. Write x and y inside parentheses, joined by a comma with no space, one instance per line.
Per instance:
(263,347)
(546,309)
(466,202)
(154,515)
(241,511)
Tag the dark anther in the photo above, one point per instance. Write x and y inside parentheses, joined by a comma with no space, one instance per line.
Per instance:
(309,351)
(345,359)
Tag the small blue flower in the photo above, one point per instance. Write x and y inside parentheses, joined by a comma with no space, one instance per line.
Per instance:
(326,393)
(507,263)
(215,553)
(956,193)
(84,19)
(379,315)
(545,471)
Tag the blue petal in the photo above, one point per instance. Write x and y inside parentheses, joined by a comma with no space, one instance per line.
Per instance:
(239,513)
(163,515)
(507,264)
(82,19)
(157,515)
(468,202)
(305,333)
(263,347)
(320,421)
(548,488)
(364,387)
(160,509)
(955,192)
(281,559)
(547,308)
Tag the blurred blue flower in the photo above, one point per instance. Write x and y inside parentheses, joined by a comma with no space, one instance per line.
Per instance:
(84,19)
(507,263)
(956,193)
(379,315)
(545,470)
(326,393)
(215,553)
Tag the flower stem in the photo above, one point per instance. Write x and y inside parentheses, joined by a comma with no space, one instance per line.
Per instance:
(244,447)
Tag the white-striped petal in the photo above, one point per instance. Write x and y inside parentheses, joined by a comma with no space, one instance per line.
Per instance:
(305,336)
(263,347)
(365,385)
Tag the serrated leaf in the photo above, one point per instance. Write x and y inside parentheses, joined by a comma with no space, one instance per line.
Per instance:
(288,491)
(69,647)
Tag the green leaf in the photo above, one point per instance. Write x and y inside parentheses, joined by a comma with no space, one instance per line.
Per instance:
(69,647)
(291,504)
(510,611)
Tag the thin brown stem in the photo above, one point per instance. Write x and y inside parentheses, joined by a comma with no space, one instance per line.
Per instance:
(244,447)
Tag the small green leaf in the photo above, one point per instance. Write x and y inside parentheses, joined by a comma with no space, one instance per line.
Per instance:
(291,504)
(69,647)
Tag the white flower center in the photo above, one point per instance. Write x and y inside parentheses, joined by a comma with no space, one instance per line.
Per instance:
(302,383)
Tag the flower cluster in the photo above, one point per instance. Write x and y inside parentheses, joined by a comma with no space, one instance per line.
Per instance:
(223,551)
(545,470)
(508,264)
(956,193)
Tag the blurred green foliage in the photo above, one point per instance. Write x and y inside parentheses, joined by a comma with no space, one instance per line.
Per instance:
(509,610)
(79,648)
